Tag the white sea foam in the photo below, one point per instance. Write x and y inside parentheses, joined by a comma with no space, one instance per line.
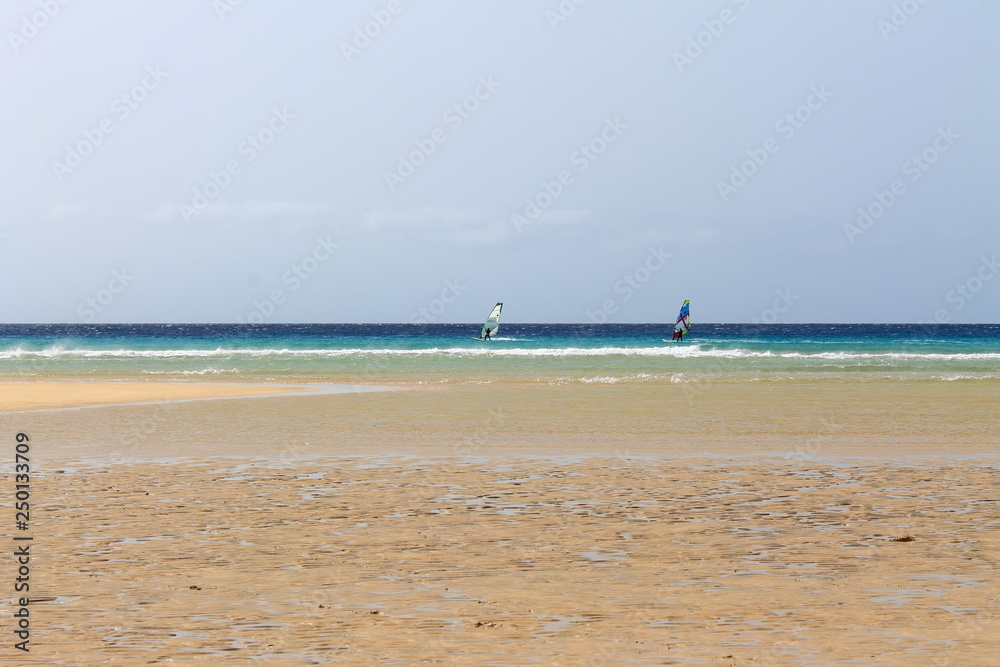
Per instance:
(615,379)
(675,351)
(203,371)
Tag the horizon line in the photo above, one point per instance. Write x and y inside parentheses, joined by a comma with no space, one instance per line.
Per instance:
(477,323)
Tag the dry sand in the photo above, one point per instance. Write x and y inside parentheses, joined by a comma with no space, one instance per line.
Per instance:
(479,549)
(16,396)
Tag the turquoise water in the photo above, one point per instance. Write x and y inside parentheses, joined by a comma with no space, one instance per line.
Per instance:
(524,353)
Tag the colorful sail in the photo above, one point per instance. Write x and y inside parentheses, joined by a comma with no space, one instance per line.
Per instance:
(492,323)
(683,320)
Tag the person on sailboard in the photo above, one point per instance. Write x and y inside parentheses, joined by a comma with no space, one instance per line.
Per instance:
(486,334)
(678,335)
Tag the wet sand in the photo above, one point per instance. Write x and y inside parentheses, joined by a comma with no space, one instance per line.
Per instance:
(530,525)
(595,562)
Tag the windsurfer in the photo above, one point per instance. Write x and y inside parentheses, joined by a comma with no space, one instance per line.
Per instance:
(486,334)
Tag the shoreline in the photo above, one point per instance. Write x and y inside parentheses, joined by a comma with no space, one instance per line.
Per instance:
(62,394)
(805,420)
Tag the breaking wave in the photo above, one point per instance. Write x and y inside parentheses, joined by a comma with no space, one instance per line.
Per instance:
(676,351)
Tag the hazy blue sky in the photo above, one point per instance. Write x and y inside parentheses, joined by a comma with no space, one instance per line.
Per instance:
(171,161)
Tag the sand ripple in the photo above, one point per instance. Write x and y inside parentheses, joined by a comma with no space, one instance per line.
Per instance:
(599,561)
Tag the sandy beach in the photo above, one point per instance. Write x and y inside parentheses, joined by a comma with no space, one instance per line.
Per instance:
(500,334)
(440,527)
(40,395)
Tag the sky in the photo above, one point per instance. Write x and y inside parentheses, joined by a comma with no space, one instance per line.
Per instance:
(419,160)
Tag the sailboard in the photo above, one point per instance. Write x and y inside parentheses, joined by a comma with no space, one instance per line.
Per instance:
(492,324)
(683,320)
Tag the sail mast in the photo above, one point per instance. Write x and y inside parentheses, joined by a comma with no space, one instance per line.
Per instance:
(492,324)
(683,320)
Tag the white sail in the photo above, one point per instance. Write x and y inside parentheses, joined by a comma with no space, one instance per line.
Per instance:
(492,324)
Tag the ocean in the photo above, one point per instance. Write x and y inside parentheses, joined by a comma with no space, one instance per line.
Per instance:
(528,353)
